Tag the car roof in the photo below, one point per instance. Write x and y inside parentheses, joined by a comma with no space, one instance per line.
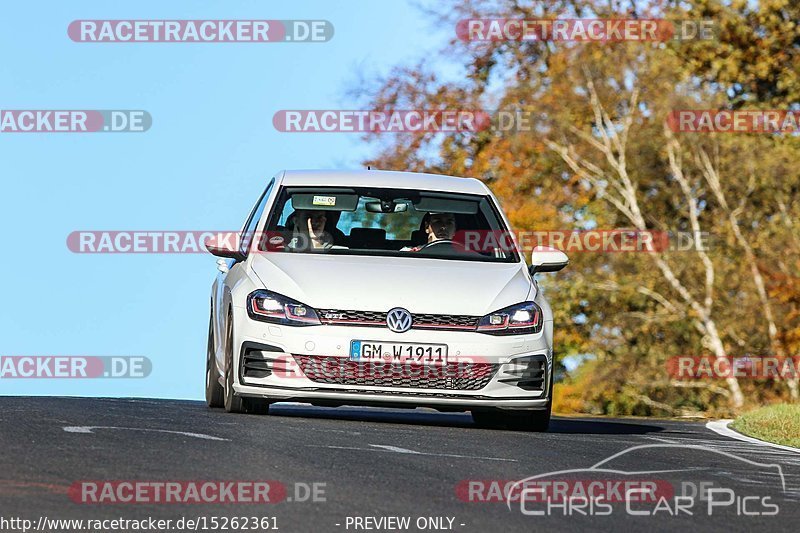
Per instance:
(384,178)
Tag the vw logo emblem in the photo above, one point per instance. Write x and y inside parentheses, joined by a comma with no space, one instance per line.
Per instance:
(398,320)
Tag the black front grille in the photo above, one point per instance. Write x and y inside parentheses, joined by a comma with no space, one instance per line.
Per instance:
(342,371)
(378,319)
(445,321)
(337,316)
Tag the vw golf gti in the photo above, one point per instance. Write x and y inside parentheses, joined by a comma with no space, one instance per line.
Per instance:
(381,288)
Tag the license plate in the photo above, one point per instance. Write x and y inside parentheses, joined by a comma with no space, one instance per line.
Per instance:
(398,352)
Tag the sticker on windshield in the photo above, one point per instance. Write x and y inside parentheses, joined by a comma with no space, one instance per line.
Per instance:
(324,200)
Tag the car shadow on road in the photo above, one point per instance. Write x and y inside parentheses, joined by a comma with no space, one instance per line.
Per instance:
(432,418)
(379,415)
(597,426)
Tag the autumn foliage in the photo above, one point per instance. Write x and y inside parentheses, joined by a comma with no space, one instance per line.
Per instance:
(598,155)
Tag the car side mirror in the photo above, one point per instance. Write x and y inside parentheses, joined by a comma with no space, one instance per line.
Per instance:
(224,245)
(544,259)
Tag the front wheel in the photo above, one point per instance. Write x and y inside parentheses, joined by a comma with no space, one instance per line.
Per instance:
(524,420)
(215,394)
(535,421)
(233,403)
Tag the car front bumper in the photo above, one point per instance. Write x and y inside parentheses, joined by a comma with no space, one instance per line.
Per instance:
(271,350)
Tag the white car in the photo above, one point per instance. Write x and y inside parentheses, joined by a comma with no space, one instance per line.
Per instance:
(381,288)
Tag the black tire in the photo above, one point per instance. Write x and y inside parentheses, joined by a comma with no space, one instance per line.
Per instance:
(233,403)
(215,394)
(256,406)
(535,421)
(488,418)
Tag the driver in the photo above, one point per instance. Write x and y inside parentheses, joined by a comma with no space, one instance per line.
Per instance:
(438,227)
(309,231)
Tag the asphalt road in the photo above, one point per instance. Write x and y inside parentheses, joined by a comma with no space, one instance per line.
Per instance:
(378,463)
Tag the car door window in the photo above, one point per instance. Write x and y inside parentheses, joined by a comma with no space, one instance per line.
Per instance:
(250,226)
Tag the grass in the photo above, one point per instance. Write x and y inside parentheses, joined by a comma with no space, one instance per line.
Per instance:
(775,423)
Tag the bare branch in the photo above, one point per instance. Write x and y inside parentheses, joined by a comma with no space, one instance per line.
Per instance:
(674,152)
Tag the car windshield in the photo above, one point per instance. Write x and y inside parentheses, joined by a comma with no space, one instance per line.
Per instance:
(387,222)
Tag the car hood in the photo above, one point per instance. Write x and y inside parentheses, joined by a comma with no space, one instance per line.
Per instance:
(365,283)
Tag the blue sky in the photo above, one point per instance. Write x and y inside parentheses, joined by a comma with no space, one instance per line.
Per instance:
(201,166)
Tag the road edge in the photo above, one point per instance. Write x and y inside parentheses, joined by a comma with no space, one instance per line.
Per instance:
(721,428)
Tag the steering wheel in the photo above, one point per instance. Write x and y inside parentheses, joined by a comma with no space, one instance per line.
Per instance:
(456,247)
(440,241)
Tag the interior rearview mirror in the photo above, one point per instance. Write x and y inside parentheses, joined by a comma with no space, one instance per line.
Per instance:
(544,259)
(387,206)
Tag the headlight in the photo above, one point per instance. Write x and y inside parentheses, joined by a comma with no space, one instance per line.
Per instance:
(519,319)
(278,309)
